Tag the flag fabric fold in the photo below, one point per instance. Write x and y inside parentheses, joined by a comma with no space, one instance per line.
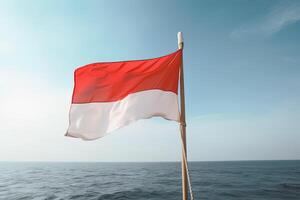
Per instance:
(110,95)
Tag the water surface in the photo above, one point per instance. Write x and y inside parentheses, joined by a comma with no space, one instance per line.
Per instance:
(259,180)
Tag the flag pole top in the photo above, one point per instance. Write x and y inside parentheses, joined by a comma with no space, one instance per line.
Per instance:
(180,40)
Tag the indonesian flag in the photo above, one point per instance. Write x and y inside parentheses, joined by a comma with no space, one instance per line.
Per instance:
(110,95)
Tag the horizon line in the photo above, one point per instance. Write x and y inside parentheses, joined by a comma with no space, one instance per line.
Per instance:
(20,161)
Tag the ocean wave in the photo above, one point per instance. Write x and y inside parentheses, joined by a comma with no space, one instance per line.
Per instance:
(291,186)
(154,181)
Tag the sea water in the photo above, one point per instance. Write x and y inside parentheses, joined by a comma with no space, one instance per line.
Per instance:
(210,180)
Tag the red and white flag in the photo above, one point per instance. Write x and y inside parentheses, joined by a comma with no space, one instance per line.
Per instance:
(110,95)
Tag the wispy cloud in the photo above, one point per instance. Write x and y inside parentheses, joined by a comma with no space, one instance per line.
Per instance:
(291,60)
(276,19)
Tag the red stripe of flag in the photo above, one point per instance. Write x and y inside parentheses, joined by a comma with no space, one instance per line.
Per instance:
(112,81)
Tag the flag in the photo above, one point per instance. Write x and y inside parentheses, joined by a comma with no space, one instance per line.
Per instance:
(110,95)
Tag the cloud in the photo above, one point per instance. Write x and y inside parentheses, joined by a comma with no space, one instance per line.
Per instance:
(278,18)
(291,60)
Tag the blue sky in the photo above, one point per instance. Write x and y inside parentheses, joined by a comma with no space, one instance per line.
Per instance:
(242,68)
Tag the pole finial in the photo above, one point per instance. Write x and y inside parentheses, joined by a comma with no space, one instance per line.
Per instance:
(180,40)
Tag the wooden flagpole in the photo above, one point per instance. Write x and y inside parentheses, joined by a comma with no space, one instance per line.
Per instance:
(183,125)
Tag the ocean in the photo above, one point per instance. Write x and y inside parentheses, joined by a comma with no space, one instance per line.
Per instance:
(259,180)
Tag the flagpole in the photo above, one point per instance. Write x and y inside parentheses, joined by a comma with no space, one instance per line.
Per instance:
(183,125)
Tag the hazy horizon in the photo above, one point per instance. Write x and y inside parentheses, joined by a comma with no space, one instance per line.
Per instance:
(190,161)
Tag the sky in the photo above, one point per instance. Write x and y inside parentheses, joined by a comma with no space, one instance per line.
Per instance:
(242,77)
